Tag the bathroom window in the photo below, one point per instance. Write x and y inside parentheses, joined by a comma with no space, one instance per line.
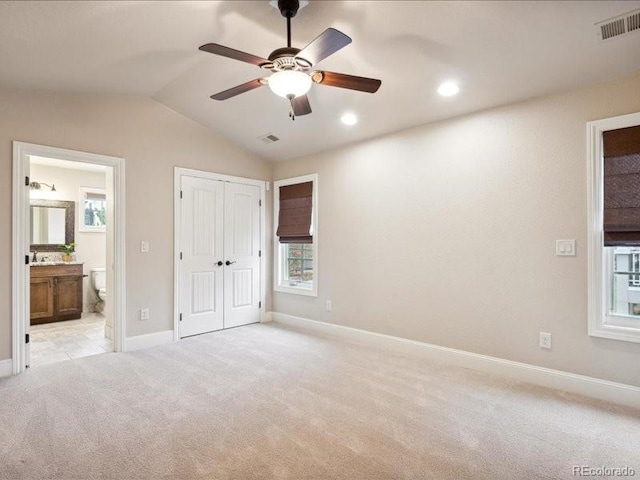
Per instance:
(93,209)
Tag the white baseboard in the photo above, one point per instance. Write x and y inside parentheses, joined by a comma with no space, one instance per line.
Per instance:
(149,340)
(266,318)
(6,368)
(569,382)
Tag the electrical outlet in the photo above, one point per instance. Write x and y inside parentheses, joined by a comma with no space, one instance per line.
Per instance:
(329,305)
(144,314)
(545,340)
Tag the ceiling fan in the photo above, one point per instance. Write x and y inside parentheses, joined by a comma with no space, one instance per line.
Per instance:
(292,68)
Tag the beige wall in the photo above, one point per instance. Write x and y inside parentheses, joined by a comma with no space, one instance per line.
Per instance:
(91,247)
(152,139)
(446,233)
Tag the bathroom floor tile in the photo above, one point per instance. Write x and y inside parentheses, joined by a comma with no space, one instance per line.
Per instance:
(37,347)
(55,342)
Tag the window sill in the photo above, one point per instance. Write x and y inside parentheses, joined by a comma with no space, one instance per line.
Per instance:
(308,292)
(613,332)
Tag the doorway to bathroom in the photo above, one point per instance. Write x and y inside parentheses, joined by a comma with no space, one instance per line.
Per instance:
(69,255)
(68,318)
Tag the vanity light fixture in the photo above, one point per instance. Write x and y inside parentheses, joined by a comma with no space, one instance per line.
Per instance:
(38,186)
(37,190)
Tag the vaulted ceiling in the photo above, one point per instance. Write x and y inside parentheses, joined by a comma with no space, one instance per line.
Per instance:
(499,52)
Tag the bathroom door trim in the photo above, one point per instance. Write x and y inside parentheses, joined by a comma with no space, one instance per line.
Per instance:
(177,215)
(21,245)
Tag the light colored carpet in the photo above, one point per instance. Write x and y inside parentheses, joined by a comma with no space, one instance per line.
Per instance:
(265,401)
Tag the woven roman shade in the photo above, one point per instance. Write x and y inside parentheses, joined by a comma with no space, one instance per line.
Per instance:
(621,220)
(294,219)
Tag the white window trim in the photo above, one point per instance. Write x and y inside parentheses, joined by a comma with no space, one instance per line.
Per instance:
(601,323)
(277,260)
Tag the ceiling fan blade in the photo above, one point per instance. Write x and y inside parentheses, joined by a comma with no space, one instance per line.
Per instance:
(235,54)
(301,106)
(342,80)
(325,44)
(245,87)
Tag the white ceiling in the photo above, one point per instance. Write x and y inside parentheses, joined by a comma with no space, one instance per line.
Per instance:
(499,52)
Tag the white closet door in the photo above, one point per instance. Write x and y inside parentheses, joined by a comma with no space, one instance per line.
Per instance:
(201,278)
(241,249)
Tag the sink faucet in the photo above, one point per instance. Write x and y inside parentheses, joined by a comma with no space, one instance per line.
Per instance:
(35,257)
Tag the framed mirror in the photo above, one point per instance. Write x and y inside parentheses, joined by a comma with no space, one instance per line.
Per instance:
(52,224)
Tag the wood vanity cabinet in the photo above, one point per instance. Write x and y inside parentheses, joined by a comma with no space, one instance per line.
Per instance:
(56,293)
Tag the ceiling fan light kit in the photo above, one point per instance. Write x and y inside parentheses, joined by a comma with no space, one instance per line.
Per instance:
(289,83)
(292,76)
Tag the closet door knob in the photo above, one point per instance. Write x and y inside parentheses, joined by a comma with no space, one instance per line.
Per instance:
(218,263)
(227,263)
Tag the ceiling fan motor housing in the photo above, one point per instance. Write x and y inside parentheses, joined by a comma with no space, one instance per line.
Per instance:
(283,52)
(285,59)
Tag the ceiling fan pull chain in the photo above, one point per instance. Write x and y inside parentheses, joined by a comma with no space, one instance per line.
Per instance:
(292,114)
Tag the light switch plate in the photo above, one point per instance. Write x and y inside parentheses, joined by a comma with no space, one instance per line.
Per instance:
(144,246)
(566,248)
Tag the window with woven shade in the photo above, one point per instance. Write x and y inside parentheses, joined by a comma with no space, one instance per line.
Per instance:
(296,235)
(614,228)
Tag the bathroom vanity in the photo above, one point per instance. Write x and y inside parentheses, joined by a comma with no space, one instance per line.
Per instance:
(56,292)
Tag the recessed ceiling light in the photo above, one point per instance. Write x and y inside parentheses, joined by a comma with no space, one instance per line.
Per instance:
(349,118)
(448,89)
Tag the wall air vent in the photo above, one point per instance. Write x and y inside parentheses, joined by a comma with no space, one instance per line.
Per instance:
(269,138)
(620,25)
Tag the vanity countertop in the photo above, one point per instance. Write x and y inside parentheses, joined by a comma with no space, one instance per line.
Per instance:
(45,264)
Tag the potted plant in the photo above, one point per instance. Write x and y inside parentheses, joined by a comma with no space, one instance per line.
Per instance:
(67,250)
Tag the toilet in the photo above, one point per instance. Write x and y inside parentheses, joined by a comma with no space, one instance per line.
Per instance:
(99,285)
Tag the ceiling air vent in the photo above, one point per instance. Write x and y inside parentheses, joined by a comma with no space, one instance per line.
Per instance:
(633,22)
(270,138)
(620,25)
